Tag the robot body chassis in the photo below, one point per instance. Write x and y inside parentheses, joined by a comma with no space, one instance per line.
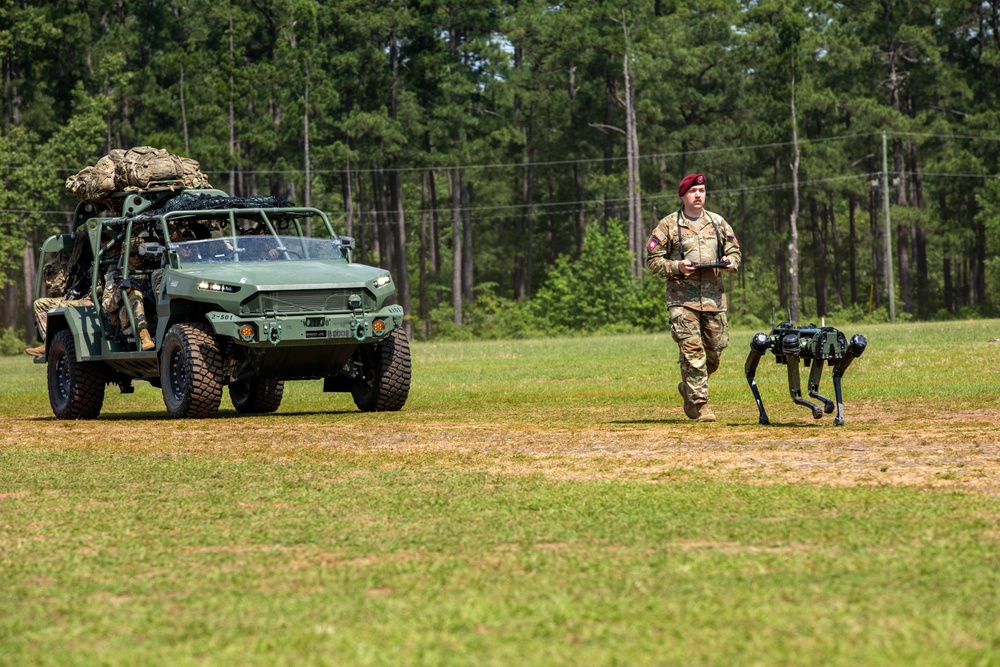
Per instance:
(813,345)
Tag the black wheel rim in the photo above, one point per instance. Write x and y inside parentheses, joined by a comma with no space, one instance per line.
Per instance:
(63,378)
(178,375)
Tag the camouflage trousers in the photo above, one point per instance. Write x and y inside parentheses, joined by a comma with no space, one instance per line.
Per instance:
(112,304)
(45,304)
(701,338)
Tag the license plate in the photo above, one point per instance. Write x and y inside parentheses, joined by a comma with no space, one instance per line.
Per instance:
(340,333)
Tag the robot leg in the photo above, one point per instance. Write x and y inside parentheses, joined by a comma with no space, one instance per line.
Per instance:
(854,349)
(814,376)
(758,346)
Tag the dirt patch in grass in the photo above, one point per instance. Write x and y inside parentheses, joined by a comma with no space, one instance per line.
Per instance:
(923,447)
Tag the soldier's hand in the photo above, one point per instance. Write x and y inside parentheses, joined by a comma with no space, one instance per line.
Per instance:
(686,266)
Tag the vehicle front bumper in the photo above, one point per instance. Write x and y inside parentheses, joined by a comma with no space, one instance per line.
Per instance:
(307,328)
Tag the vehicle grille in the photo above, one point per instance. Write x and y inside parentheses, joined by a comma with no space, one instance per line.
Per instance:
(304,301)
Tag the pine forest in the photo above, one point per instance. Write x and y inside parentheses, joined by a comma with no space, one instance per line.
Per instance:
(506,160)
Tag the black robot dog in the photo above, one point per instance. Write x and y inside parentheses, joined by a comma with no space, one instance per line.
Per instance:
(813,345)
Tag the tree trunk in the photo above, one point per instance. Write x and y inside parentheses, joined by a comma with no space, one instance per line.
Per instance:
(401,271)
(30,275)
(233,190)
(949,300)
(780,250)
(425,214)
(793,241)
(834,237)
(305,141)
(878,256)
(348,194)
(435,240)
(184,118)
(363,225)
(467,275)
(11,306)
(903,258)
(581,221)
(385,244)
(632,157)
(852,249)
(979,262)
(455,185)
(819,258)
(609,149)
(923,286)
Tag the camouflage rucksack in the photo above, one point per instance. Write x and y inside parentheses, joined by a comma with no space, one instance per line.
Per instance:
(96,182)
(146,167)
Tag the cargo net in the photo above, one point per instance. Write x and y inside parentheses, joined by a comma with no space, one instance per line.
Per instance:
(192,202)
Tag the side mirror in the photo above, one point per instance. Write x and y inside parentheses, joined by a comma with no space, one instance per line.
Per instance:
(347,242)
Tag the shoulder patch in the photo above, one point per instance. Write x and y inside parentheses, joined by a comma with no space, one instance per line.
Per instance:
(731,236)
(653,243)
(659,235)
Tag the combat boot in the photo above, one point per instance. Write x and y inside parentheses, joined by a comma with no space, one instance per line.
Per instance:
(705,413)
(36,351)
(689,409)
(145,342)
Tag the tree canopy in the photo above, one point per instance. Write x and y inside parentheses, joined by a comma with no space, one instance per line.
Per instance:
(471,147)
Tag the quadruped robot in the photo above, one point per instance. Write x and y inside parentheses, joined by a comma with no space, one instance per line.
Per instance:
(814,346)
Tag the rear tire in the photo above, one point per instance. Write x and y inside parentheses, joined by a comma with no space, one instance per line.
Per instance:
(76,388)
(256,395)
(384,380)
(191,371)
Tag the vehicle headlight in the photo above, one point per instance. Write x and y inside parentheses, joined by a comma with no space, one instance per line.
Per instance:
(217,287)
(382,281)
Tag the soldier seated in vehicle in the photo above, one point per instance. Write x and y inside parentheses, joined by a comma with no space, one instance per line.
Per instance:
(57,273)
(138,288)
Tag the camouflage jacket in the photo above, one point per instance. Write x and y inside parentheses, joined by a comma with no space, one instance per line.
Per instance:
(702,290)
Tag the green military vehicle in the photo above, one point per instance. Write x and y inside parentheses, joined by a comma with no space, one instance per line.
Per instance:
(240,292)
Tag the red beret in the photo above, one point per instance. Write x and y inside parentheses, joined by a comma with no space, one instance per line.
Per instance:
(688,181)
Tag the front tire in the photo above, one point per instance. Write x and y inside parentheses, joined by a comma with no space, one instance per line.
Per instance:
(384,379)
(256,395)
(191,371)
(76,388)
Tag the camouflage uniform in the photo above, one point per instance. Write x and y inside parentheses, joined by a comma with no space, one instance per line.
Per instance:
(697,302)
(45,304)
(111,302)
(55,275)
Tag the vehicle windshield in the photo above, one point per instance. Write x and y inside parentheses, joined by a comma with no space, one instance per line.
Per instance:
(262,248)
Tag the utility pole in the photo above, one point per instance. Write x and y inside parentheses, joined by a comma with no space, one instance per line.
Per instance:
(888,234)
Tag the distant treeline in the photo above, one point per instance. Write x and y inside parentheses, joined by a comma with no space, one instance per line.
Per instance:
(470,146)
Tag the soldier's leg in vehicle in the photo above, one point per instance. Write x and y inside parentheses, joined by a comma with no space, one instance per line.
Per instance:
(138,308)
(135,300)
(715,333)
(42,307)
(685,327)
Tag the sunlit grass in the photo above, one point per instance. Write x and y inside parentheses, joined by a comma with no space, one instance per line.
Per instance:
(536,502)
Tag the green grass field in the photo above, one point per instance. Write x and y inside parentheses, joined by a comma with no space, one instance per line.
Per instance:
(536,502)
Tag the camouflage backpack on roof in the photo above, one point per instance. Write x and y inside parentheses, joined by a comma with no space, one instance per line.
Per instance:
(137,169)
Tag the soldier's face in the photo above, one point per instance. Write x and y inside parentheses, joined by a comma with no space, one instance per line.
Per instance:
(694,198)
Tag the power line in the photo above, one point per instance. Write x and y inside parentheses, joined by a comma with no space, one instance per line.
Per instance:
(508,165)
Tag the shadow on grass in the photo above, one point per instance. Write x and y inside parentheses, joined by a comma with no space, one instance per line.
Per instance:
(222,414)
(636,422)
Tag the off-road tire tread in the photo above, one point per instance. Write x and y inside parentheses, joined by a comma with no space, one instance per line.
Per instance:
(264,396)
(85,395)
(205,393)
(392,378)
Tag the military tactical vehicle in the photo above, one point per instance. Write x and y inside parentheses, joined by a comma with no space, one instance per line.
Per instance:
(240,292)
